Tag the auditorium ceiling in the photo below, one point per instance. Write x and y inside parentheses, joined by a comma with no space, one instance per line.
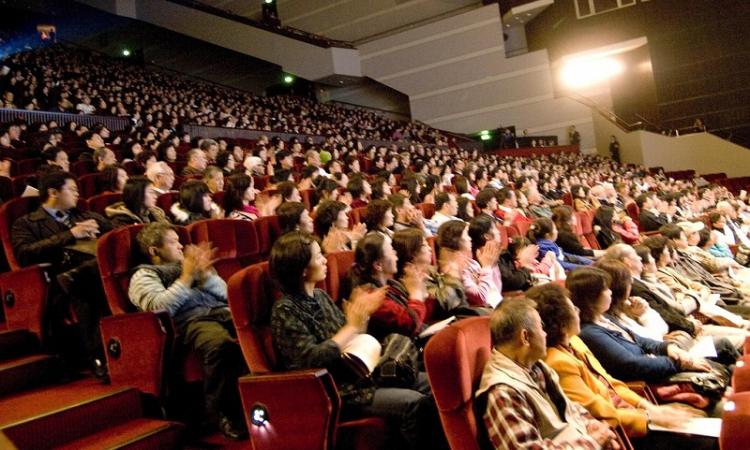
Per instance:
(352,20)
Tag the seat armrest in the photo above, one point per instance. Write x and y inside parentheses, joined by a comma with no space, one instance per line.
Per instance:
(302,411)
(24,297)
(642,389)
(137,347)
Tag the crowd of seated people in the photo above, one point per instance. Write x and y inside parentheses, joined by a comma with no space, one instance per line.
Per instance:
(66,79)
(652,290)
(637,299)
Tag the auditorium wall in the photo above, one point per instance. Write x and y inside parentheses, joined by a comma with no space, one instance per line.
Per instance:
(702,152)
(458,78)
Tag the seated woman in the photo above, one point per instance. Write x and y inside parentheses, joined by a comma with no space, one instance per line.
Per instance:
(719,247)
(289,192)
(112,179)
(543,233)
(611,227)
(623,354)
(584,380)
(240,199)
(293,216)
(581,199)
(138,204)
(379,218)
(403,310)
(310,331)
(567,239)
(332,225)
(194,204)
(482,279)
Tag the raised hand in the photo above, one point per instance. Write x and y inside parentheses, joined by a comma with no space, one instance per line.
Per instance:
(414,281)
(488,255)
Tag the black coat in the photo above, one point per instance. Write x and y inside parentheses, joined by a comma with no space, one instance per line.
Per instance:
(651,222)
(38,238)
(674,319)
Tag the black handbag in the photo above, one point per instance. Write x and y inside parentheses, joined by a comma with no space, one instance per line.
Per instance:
(711,384)
(398,364)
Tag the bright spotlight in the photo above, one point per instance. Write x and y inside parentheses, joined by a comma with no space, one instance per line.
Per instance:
(126,52)
(579,73)
(288,79)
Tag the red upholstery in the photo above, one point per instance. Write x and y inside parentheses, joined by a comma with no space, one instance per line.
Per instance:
(267,229)
(428,209)
(735,424)
(339,264)
(28,165)
(24,296)
(251,295)
(87,184)
(98,203)
(503,236)
(586,222)
(218,198)
(634,212)
(455,358)
(9,212)
(357,215)
(303,406)
(165,200)
(308,196)
(261,182)
(236,242)
(522,227)
(83,167)
(741,375)
(567,199)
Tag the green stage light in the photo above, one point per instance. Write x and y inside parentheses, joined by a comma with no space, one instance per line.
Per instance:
(288,79)
(125,52)
(485,137)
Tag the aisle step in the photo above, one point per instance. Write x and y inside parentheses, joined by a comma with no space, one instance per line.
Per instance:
(136,434)
(26,372)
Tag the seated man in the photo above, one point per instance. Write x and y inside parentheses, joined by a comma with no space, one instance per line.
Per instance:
(187,286)
(196,163)
(446,207)
(162,176)
(525,405)
(47,235)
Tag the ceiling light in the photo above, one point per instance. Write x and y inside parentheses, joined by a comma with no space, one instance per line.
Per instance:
(579,73)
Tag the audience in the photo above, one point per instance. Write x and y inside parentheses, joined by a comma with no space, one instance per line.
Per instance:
(138,204)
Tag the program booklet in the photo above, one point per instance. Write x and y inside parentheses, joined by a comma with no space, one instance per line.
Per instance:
(362,354)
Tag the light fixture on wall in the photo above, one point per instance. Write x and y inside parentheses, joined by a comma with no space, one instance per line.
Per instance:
(586,72)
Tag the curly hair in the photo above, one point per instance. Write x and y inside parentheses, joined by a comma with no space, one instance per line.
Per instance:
(552,304)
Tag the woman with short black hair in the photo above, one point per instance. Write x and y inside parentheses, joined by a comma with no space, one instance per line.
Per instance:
(194,204)
(310,331)
(138,204)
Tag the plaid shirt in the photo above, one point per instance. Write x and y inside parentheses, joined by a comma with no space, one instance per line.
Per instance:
(510,422)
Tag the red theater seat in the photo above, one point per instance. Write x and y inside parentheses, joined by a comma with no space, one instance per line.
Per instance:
(87,184)
(455,358)
(236,243)
(24,290)
(339,264)
(268,230)
(303,406)
(735,422)
(98,203)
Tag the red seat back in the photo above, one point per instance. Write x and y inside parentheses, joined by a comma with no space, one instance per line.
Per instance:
(735,422)
(6,189)
(428,209)
(251,296)
(98,203)
(455,359)
(585,220)
(339,264)
(236,243)
(117,253)
(9,212)
(87,184)
(20,182)
(165,201)
(268,230)
(28,165)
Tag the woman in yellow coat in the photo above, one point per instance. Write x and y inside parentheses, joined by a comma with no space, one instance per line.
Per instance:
(585,381)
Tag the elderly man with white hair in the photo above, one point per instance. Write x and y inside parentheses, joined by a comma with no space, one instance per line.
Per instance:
(254,166)
(161,175)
